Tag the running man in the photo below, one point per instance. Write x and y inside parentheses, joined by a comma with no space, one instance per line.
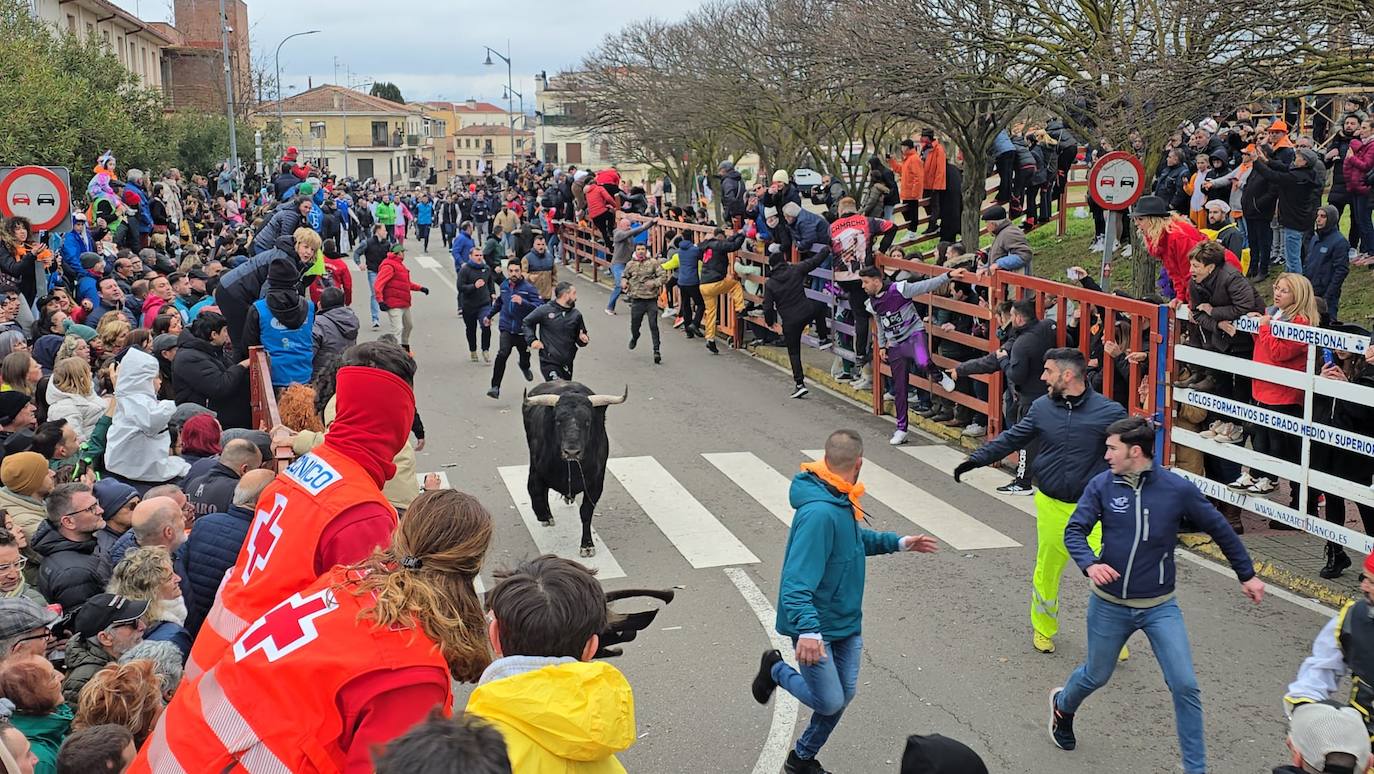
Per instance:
(642,280)
(556,330)
(518,298)
(1139,505)
(902,333)
(820,597)
(1071,424)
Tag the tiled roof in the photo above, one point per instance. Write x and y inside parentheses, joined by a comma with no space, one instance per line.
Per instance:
(321,99)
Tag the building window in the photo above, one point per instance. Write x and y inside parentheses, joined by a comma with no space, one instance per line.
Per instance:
(90,29)
(71,24)
(520,143)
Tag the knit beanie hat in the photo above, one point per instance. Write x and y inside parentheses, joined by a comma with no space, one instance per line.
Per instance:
(86,332)
(24,472)
(89,260)
(11,403)
(791,209)
(781,176)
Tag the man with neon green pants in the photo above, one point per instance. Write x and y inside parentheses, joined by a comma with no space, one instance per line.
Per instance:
(1070,423)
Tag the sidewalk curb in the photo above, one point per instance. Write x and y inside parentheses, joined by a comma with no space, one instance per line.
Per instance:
(1273,572)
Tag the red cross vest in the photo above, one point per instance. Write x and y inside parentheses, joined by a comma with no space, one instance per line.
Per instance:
(270,705)
(278,556)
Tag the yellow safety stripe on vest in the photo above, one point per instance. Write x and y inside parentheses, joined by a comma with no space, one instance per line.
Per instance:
(234,731)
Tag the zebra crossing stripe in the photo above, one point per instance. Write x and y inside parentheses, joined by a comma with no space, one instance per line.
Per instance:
(758,479)
(565,537)
(944,459)
(927,511)
(701,539)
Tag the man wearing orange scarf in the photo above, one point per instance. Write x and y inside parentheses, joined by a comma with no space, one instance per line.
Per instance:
(820,600)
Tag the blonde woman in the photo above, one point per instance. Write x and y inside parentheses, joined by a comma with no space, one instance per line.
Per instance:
(146,574)
(1294,302)
(73,346)
(113,332)
(19,372)
(71,396)
(1169,237)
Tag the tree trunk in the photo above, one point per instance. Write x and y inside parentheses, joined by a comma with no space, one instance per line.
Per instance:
(974,194)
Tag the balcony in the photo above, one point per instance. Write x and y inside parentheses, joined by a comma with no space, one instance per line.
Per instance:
(413,140)
(564,120)
(383,142)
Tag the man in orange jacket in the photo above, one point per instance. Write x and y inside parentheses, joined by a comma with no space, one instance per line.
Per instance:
(327,507)
(910,181)
(933,168)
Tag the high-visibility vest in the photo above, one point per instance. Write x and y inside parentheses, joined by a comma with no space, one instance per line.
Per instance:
(292,349)
(278,556)
(270,705)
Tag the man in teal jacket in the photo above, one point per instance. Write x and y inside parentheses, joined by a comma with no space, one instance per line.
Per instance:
(820,599)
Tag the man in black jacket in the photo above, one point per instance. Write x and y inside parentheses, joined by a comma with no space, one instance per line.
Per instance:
(1069,422)
(732,193)
(716,279)
(1299,191)
(449,218)
(556,330)
(214,491)
(371,253)
(71,571)
(784,295)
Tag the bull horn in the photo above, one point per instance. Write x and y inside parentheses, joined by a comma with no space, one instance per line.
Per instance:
(538,400)
(609,400)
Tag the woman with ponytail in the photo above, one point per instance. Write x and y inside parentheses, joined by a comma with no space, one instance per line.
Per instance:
(342,667)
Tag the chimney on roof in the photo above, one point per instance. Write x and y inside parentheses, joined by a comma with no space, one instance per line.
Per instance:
(471,103)
(309,83)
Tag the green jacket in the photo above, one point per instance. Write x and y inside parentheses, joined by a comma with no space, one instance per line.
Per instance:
(823,566)
(45,734)
(84,658)
(386,214)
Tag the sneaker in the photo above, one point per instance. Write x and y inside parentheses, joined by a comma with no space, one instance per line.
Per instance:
(472,356)
(486,356)
(1127,250)
(610,312)
(527,373)
(658,358)
(1015,488)
(863,383)
(634,343)
(494,393)
(1262,486)
(844,376)
(898,438)
(1235,435)
(1099,244)
(677,322)
(670,311)
(1124,654)
(376,326)
(764,685)
(974,430)
(825,344)
(1042,643)
(946,383)
(798,765)
(800,391)
(1244,482)
(1061,723)
(887,395)
(1218,428)
(711,347)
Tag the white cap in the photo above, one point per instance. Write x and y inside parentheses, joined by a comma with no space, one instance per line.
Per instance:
(1319,729)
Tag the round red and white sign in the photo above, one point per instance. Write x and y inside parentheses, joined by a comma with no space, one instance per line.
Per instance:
(1116,180)
(36,193)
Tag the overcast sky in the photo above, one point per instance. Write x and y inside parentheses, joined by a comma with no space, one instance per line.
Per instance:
(431,50)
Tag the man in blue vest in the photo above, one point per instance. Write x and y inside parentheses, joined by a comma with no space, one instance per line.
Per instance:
(282,323)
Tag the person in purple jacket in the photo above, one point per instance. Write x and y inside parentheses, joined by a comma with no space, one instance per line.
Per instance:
(901,332)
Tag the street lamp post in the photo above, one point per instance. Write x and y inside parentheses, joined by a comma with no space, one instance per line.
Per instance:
(509,91)
(281,129)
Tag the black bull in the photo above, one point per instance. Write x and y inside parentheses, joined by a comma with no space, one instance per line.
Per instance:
(565,427)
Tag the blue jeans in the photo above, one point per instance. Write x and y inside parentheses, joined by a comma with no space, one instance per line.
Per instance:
(1292,250)
(827,688)
(372,294)
(617,271)
(1109,626)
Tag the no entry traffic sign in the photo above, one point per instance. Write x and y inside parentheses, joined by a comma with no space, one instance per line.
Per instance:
(1116,180)
(41,194)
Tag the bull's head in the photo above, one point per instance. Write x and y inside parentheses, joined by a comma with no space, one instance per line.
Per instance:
(572,417)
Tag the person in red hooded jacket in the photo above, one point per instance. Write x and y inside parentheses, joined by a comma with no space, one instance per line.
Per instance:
(327,507)
(393,289)
(337,269)
(1170,237)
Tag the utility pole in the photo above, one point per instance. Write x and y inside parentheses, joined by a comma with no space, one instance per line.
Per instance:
(224,31)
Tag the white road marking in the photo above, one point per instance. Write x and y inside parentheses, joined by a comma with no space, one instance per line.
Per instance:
(426,262)
(565,536)
(944,459)
(778,741)
(701,539)
(758,479)
(930,513)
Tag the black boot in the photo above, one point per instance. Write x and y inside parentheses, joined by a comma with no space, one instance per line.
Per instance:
(763,684)
(1336,561)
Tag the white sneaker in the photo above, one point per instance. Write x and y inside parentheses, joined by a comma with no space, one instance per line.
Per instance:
(1218,428)
(1244,482)
(974,430)
(1099,244)
(800,391)
(864,382)
(1127,250)
(946,383)
(669,312)
(898,438)
(1261,487)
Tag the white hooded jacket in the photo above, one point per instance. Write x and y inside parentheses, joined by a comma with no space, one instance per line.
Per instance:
(139,445)
(80,411)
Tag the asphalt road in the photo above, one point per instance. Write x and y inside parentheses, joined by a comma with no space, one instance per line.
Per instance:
(947,636)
